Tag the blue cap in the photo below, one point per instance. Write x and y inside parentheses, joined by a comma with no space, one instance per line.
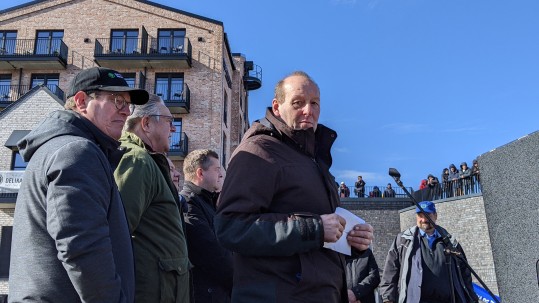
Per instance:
(427,206)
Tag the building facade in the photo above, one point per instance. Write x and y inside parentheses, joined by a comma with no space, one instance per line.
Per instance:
(182,57)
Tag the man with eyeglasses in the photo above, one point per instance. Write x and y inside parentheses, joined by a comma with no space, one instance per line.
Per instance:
(152,205)
(71,241)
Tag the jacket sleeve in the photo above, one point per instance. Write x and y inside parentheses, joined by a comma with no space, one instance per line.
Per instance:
(205,252)
(78,198)
(390,276)
(136,179)
(366,286)
(244,223)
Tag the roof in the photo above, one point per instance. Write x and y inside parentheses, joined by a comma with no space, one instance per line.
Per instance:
(141,1)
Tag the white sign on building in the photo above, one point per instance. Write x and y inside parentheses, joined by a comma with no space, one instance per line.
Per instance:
(10,181)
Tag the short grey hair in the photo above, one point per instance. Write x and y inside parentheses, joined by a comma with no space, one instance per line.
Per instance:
(139,111)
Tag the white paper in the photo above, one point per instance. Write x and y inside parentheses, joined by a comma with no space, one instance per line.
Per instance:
(342,245)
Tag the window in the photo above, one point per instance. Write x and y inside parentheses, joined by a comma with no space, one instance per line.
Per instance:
(5,87)
(171,41)
(5,251)
(130,78)
(48,42)
(223,158)
(18,162)
(225,108)
(176,138)
(169,86)
(7,42)
(124,41)
(52,81)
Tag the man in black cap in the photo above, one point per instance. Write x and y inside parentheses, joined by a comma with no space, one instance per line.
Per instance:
(71,241)
(416,271)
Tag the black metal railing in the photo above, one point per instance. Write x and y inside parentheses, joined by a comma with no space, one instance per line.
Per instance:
(448,189)
(34,47)
(150,46)
(254,71)
(12,93)
(376,191)
(179,142)
(178,93)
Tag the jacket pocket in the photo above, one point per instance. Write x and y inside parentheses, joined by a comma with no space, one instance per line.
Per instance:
(174,280)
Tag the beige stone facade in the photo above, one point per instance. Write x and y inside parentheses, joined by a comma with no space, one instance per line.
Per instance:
(202,59)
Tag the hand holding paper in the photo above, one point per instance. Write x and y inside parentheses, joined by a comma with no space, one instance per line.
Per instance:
(342,245)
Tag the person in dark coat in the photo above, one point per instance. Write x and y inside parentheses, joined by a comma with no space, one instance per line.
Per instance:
(416,268)
(362,277)
(213,271)
(278,202)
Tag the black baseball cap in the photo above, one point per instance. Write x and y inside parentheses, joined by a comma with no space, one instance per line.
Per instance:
(105,79)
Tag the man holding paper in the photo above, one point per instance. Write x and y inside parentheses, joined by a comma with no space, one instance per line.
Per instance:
(276,208)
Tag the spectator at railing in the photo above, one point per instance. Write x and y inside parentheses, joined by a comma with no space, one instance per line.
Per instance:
(433,184)
(445,182)
(359,189)
(375,193)
(423,184)
(465,178)
(476,182)
(453,179)
(388,192)
(344,191)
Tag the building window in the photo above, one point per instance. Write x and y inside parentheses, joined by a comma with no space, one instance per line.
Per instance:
(171,41)
(5,87)
(7,42)
(223,158)
(124,41)
(52,81)
(5,251)
(169,86)
(18,162)
(48,42)
(176,137)
(130,78)
(225,108)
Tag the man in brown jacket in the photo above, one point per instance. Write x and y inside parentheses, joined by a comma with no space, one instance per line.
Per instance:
(276,208)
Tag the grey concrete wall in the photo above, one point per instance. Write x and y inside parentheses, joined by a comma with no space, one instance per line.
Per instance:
(510,179)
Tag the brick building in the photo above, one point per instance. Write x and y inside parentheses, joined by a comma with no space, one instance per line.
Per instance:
(183,57)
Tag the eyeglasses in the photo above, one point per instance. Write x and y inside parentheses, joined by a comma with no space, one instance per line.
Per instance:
(119,101)
(168,119)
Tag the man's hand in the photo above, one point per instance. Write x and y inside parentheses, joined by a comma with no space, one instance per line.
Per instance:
(333,227)
(352,297)
(360,237)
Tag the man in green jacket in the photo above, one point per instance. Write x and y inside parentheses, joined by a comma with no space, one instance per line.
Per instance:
(151,204)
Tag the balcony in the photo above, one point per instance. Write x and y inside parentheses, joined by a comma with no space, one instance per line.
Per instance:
(33,54)
(178,146)
(139,53)
(177,97)
(12,93)
(252,78)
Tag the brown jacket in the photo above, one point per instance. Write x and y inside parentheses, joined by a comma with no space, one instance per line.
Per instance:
(277,186)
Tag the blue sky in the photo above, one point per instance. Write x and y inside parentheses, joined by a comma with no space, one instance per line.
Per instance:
(411,84)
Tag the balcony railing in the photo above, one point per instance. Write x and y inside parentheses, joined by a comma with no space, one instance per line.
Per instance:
(33,53)
(177,97)
(454,188)
(179,144)
(252,78)
(148,52)
(372,193)
(12,93)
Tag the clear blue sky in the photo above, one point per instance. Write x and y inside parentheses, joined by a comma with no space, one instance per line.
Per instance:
(411,84)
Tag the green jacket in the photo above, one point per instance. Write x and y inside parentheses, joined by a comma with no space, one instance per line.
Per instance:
(155,224)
